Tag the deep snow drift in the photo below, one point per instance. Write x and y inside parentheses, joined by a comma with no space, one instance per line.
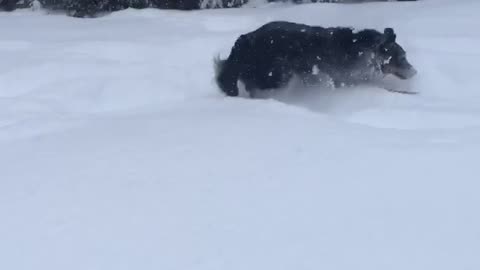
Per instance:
(118,152)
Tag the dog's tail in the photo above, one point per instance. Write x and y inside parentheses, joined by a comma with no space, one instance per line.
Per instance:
(226,75)
(218,65)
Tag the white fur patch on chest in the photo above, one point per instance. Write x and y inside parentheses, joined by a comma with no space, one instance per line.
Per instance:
(387,61)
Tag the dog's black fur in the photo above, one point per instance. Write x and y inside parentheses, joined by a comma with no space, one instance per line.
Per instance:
(270,56)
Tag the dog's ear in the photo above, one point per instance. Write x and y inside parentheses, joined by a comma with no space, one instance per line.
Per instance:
(389,35)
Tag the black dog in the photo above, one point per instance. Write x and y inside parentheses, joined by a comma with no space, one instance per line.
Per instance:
(269,57)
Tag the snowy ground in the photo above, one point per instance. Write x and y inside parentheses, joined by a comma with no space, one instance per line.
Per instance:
(118,152)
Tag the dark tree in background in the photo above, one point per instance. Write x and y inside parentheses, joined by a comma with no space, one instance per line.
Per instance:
(8,5)
(92,8)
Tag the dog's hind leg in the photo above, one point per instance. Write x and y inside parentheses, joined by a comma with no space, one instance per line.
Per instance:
(251,90)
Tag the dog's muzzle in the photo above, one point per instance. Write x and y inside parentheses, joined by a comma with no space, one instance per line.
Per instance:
(406,73)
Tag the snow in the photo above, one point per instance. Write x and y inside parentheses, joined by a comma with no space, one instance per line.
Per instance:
(117,151)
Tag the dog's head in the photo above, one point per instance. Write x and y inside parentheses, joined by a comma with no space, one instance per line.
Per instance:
(393,58)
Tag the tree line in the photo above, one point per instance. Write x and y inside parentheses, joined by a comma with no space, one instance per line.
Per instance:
(93,8)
